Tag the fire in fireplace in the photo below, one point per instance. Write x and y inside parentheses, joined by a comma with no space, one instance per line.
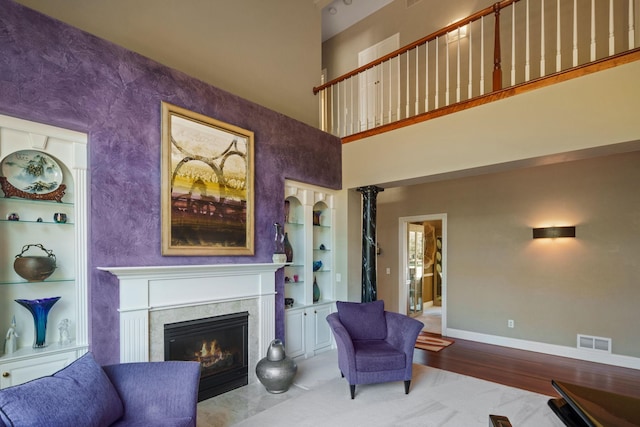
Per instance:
(219,343)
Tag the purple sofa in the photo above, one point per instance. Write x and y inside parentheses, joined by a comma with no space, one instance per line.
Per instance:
(85,394)
(374,345)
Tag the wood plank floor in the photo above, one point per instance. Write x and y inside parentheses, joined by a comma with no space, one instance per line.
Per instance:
(528,370)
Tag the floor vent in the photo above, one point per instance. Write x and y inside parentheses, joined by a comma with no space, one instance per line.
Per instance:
(588,342)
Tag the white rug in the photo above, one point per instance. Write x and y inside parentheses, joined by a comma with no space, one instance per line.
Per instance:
(320,397)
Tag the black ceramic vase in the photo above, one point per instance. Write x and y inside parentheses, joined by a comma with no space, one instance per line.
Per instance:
(276,371)
(288,249)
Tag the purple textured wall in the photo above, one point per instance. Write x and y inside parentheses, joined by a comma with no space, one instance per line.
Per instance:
(58,75)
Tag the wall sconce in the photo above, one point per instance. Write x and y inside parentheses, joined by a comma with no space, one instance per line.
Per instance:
(553,232)
(460,32)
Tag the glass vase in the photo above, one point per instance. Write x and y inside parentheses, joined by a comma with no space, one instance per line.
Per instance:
(39,309)
(316,290)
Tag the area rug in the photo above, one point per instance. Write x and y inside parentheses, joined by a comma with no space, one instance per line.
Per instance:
(437,398)
(427,341)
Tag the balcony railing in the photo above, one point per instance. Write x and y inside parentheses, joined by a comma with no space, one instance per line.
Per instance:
(508,44)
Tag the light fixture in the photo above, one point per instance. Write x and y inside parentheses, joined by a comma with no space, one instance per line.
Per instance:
(347,2)
(553,232)
(333,10)
(458,33)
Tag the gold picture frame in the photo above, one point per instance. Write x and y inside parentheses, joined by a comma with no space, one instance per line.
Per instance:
(207,185)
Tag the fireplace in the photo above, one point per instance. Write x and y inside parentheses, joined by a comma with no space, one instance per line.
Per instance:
(219,343)
(153,296)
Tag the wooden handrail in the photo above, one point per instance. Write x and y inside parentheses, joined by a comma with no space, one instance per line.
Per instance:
(558,77)
(495,9)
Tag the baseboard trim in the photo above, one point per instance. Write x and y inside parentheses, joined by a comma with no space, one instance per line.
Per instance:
(552,349)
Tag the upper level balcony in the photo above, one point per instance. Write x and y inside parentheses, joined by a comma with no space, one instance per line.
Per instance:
(509,48)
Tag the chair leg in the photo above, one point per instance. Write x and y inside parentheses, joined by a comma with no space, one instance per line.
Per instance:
(406,386)
(352,387)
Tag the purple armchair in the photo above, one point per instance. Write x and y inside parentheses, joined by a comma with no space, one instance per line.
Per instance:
(86,394)
(374,345)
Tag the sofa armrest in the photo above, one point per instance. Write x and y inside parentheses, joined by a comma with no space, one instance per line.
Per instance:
(402,332)
(157,390)
(346,352)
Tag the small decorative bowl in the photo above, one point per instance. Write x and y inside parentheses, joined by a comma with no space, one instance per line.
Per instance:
(317,265)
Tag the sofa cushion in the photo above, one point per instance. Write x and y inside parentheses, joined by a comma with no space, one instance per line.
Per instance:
(77,395)
(378,355)
(363,321)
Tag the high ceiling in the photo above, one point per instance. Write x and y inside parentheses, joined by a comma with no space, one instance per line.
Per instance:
(338,15)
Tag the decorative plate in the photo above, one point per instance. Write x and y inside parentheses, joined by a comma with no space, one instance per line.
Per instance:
(32,171)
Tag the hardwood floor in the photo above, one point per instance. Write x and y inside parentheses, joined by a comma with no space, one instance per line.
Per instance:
(528,370)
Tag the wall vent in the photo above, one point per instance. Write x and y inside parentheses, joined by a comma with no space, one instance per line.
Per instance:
(587,342)
(412,2)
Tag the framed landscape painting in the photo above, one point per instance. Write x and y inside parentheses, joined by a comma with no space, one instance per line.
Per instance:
(207,185)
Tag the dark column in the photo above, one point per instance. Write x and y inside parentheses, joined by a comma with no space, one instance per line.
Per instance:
(369,247)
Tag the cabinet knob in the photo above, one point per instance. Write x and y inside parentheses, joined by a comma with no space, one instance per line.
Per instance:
(5,374)
(305,313)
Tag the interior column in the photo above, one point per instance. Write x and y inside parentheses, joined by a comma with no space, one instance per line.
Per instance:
(369,242)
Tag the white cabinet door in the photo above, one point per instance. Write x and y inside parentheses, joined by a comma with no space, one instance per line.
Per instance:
(21,371)
(322,330)
(295,332)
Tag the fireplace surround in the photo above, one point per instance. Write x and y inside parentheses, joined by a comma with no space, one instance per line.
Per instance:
(151,297)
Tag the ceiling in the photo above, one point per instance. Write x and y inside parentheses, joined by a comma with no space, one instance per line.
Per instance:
(338,15)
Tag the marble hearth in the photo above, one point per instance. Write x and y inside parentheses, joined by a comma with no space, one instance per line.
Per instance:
(151,297)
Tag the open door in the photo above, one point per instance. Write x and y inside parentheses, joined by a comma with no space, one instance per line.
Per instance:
(415,252)
(422,276)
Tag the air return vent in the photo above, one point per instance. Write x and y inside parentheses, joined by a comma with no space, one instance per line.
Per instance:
(588,342)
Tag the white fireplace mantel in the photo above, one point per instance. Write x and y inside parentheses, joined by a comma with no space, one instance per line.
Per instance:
(149,288)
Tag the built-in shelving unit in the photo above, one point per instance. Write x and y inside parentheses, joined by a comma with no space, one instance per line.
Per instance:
(67,241)
(309,230)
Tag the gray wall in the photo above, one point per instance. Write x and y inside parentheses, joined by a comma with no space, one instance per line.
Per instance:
(496,271)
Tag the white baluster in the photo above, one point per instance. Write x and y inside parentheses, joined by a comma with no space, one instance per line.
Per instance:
(470,85)
(482,56)
(437,76)
(354,116)
(542,52)
(334,131)
(632,31)
(406,108)
(398,103)
(527,55)
(612,37)
(575,33)
(390,90)
(417,106)
(446,80)
(593,30)
(381,92)
(458,68)
(339,110)
(426,77)
(513,44)
(558,38)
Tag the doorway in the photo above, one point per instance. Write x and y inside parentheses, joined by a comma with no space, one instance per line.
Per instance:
(423,262)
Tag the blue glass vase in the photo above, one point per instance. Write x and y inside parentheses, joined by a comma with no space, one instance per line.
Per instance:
(39,308)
